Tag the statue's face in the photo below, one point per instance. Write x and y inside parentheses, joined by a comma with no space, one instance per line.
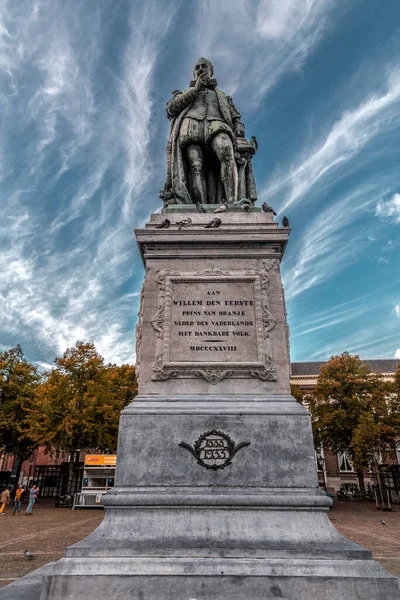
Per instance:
(201,68)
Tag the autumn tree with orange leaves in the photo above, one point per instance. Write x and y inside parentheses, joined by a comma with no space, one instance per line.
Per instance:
(356,412)
(18,383)
(78,403)
(396,383)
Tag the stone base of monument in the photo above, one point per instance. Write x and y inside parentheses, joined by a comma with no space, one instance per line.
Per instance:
(257,528)
(216,494)
(221,579)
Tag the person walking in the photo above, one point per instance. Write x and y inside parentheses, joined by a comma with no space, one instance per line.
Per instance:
(4,499)
(17,500)
(33,494)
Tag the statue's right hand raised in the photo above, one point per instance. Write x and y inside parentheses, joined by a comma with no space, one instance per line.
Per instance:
(199,85)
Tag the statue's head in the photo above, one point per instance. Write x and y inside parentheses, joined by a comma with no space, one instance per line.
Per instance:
(201,67)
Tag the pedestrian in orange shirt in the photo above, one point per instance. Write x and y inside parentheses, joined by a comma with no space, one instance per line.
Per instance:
(17,500)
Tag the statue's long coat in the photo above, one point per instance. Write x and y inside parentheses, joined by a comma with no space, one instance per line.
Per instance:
(176,173)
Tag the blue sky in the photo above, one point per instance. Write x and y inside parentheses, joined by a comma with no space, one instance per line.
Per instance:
(83,87)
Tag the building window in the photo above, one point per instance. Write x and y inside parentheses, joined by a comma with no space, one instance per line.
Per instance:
(398,452)
(320,459)
(344,463)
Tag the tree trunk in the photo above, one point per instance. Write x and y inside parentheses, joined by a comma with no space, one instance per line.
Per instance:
(379,481)
(360,477)
(16,470)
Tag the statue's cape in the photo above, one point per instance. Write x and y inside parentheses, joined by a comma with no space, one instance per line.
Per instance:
(178,177)
(175,163)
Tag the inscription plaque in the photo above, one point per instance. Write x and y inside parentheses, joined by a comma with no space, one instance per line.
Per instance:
(213,322)
(213,325)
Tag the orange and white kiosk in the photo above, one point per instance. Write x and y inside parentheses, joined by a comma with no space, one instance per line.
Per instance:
(98,478)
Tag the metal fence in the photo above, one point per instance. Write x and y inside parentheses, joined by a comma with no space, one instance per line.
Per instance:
(88,500)
(54,479)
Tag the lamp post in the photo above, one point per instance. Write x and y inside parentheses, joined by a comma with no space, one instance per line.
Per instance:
(31,462)
(321,465)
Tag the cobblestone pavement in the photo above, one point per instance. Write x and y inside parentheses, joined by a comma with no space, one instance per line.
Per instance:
(361,523)
(45,534)
(49,530)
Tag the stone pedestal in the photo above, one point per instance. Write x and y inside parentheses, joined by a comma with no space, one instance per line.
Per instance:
(216,492)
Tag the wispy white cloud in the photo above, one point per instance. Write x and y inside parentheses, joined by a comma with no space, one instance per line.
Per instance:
(67,309)
(346,138)
(345,310)
(68,256)
(135,92)
(341,317)
(279,34)
(276,18)
(397,353)
(44,366)
(389,209)
(52,73)
(339,230)
(396,310)
(77,83)
(326,245)
(354,325)
(368,342)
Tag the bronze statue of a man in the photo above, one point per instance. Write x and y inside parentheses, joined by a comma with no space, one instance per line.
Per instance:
(203,153)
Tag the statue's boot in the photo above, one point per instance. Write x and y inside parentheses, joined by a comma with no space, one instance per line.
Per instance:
(197,176)
(198,185)
(229,173)
(229,178)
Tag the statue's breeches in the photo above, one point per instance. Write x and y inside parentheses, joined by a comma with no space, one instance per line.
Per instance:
(201,132)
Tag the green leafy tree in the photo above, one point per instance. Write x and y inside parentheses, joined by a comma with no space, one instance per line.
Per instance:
(18,383)
(353,412)
(396,384)
(374,438)
(79,403)
(300,394)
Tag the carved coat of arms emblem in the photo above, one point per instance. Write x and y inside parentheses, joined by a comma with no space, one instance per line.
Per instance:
(214,449)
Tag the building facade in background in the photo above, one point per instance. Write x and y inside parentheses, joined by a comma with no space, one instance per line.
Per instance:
(50,472)
(334,470)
